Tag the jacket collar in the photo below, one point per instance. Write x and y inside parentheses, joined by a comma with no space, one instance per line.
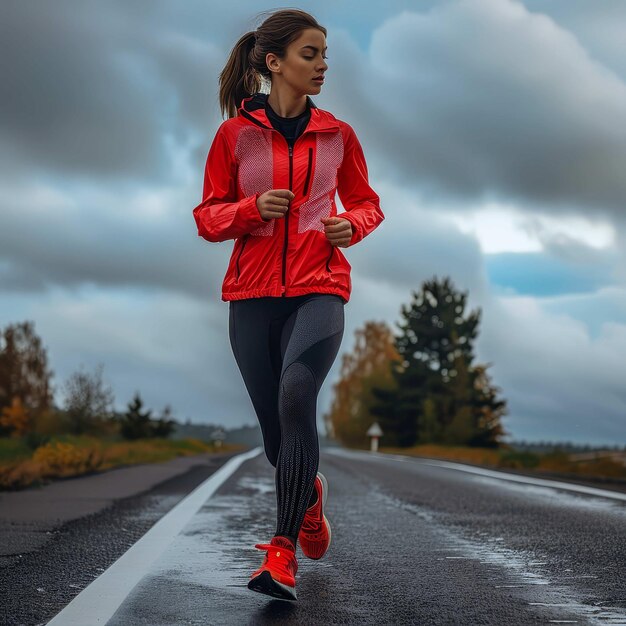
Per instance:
(252,108)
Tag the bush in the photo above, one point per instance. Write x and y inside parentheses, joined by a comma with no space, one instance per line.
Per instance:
(57,458)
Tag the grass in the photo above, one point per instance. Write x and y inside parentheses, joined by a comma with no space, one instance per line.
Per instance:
(69,455)
(13,449)
(555,462)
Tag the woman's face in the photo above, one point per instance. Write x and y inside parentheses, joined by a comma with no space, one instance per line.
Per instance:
(304,60)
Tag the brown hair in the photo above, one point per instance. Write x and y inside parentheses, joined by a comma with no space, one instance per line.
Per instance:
(246,66)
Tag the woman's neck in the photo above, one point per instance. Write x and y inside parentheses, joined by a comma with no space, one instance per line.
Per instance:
(286,105)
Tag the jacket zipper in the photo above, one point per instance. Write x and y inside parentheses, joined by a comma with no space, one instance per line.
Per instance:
(330,256)
(287,219)
(308,171)
(245,241)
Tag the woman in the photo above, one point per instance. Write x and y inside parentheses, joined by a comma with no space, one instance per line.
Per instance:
(270,181)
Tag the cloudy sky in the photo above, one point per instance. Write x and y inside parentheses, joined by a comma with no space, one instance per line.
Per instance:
(494,134)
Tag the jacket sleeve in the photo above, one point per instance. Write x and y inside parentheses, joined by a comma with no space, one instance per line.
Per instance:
(361,202)
(220,216)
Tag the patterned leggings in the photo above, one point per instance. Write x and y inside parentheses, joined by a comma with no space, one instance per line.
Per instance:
(284,348)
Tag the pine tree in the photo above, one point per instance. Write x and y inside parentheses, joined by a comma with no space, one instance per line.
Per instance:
(487,410)
(399,409)
(456,400)
(164,426)
(136,424)
(439,395)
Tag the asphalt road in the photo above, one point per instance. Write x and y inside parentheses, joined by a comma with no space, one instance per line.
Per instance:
(414,541)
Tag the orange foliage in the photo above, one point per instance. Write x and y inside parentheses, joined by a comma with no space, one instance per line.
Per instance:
(366,366)
(16,418)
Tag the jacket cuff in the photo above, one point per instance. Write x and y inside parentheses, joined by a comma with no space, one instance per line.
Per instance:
(250,210)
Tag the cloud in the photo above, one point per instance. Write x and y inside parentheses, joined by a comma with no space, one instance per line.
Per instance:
(96,89)
(97,236)
(600,29)
(561,382)
(415,241)
(483,100)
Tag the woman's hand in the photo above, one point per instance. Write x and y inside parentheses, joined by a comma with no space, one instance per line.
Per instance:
(274,203)
(338,230)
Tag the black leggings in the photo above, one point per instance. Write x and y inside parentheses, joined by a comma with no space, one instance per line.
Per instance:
(284,347)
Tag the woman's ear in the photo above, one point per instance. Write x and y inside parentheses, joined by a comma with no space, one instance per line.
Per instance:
(272,62)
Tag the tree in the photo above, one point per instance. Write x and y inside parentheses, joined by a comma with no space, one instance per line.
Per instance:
(399,408)
(456,396)
(24,372)
(135,423)
(439,395)
(164,426)
(15,418)
(367,366)
(88,403)
(487,411)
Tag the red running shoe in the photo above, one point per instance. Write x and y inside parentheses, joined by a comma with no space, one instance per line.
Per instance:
(276,576)
(314,535)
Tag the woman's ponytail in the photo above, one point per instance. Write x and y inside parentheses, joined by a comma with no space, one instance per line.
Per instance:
(238,79)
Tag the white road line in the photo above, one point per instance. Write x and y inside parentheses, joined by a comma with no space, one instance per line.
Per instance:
(97,603)
(543,482)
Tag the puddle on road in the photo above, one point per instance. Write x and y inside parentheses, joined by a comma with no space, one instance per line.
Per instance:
(257,483)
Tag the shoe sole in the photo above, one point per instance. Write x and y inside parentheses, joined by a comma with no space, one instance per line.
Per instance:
(325,483)
(324,497)
(264,583)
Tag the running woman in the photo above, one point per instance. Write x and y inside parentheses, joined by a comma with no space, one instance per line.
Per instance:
(270,180)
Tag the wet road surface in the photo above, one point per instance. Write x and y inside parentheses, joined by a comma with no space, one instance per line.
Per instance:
(414,541)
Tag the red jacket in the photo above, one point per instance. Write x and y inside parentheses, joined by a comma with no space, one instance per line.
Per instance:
(286,256)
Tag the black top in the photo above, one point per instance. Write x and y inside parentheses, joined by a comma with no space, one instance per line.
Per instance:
(290,127)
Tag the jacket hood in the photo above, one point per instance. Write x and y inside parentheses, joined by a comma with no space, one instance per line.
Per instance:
(253,108)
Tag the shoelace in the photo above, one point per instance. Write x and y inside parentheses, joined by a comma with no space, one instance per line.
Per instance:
(313,524)
(310,524)
(283,559)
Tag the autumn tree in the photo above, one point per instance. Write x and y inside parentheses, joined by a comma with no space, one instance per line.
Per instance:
(15,419)
(24,373)
(365,367)
(88,402)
